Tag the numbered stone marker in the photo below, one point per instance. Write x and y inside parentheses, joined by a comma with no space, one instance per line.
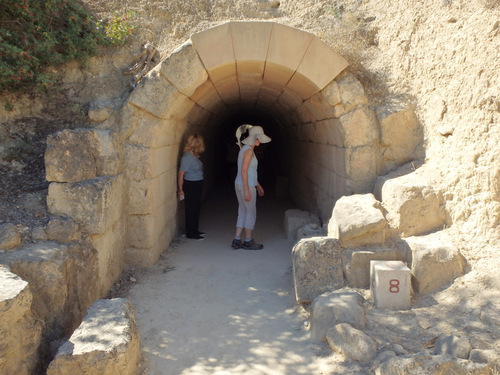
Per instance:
(390,284)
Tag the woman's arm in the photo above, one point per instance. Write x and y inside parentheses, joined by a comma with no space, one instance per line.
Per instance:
(247,158)
(180,183)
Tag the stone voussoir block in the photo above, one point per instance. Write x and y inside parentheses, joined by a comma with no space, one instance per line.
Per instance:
(357,220)
(106,342)
(154,94)
(184,69)
(317,267)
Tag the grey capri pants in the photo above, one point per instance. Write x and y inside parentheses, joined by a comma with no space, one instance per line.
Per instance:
(247,211)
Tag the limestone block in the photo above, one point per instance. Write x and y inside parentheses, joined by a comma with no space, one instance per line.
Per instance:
(9,237)
(401,136)
(361,168)
(94,204)
(110,258)
(317,267)
(206,96)
(147,257)
(359,128)
(81,154)
(62,279)
(345,94)
(390,284)
(353,344)
(215,48)
(62,230)
(143,231)
(295,219)
(418,364)
(330,309)
(282,62)
(321,64)
(251,44)
(435,262)
(357,220)
(152,132)
(148,163)
(106,343)
(228,90)
(20,331)
(184,69)
(356,262)
(154,94)
(413,206)
(310,230)
(68,157)
(147,195)
(458,347)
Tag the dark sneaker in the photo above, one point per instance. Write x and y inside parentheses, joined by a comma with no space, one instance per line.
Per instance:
(252,245)
(197,237)
(237,244)
(202,234)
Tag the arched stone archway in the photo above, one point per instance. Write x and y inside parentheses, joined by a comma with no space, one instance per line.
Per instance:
(329,138)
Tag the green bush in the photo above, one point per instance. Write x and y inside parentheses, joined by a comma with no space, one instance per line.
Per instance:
(35,34)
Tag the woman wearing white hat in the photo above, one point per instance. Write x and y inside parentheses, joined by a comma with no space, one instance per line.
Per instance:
(247,187)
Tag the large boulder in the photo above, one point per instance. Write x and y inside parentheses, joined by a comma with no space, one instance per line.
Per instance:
(435,262)
(317,267)
(106,343)
(351,343)
(357,220)
(19,329)
(413,206)
(330,309)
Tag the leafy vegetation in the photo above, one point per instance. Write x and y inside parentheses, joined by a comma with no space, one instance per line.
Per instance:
(35,34)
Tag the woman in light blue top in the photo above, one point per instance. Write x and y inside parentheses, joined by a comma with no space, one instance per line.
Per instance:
(190,184)
(247,187)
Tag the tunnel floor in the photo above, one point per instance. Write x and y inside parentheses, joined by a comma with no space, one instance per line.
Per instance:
(205,308)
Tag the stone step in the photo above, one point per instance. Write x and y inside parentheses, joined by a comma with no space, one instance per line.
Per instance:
(106,343)
(20,331)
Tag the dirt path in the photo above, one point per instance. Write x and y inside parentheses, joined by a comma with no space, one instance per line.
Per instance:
(208,309)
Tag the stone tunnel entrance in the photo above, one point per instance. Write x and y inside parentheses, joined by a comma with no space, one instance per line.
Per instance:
(327,142)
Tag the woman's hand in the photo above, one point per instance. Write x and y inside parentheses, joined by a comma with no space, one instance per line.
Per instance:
(260,190)
(248,196)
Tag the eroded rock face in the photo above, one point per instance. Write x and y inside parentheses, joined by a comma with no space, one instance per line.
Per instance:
(20,332)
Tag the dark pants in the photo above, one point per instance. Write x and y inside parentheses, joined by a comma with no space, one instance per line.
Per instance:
(192,195)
